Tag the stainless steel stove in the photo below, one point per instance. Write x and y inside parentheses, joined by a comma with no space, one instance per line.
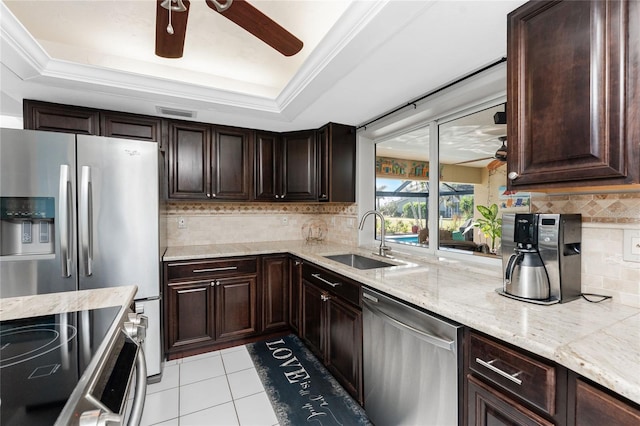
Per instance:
(71,368)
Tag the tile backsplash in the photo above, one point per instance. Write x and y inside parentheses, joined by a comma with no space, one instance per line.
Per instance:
(605,217)
(220,223)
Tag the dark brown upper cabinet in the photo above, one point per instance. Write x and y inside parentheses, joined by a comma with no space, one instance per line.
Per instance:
(337,163)
(231,163)
(286,166)
(129,126)
(189,167)
(209,162)
(573,94)
(52,117)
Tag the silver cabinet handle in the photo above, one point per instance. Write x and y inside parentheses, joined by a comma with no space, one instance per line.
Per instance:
(449,345)
(65,207)
(282,196)
(223,268)
(490,366)
(334,285)
(324,297)
(86,220)
(513,175)
(192,290)
(277,196)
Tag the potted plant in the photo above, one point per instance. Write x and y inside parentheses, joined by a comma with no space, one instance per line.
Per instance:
(490,224)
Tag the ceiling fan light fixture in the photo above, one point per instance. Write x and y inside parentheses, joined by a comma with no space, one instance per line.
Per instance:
(221,7)
(501,153)
(174,5)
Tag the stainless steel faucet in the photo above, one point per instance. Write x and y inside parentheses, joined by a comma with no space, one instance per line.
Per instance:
(383,250)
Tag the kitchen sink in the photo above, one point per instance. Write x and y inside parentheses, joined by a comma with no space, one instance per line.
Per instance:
(359,262)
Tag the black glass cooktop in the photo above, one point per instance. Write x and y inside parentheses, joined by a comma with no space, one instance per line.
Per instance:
(42,359)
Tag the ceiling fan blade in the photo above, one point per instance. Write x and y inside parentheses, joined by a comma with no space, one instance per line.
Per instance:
(261,26)
(495,164)
(472,161)
(170,45)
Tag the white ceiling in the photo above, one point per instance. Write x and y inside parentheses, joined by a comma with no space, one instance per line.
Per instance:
(360,58)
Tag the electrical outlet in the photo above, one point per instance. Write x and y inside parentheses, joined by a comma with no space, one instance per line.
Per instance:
(182,223)
(285,221)
(631,249)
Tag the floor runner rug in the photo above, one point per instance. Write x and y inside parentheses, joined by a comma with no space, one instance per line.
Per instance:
(300,388)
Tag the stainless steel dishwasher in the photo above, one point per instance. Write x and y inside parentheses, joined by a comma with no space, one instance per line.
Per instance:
(412,364)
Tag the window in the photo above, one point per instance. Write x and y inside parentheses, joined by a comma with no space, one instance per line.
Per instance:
(468,175)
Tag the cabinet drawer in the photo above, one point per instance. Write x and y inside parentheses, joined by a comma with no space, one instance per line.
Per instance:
(211,268)
(348,290)
(528,378)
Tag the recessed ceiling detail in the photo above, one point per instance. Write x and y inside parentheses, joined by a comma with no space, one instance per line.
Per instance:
(359,58)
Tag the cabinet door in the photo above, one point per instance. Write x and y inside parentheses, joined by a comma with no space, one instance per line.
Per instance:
(130,126)
(299,175)
(236,307)
(594,408)
(337,163)
(488,407)
(313,318)
(275,292)
(295,294)
(573,93)
(344,345)
(322,139)
(231,165)
(60,118)
(190,314)
(189,167)
(268,163)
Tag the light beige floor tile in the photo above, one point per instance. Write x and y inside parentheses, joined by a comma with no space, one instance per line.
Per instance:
(160,407)
(200,369)
(236,361)
(204,394)
(244,383)
(170,379)
(255,410)
(220,415)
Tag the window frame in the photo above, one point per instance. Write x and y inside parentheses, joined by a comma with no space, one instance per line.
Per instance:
(482,91)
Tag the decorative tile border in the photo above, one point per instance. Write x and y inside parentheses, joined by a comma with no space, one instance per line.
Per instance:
(621,208)
(207,209)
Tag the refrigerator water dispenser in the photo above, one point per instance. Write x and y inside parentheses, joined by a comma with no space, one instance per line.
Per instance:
(27,226)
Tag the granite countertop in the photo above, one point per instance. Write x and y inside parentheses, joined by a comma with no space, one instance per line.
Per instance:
(69,301)
(599,341)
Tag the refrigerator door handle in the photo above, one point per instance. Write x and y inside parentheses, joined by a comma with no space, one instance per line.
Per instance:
(86,220)
(65,213)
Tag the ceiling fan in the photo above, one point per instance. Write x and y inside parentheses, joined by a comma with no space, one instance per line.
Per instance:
(171,26)
(499,158)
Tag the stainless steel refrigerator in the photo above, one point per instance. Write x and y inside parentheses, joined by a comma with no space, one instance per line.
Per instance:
(81,212)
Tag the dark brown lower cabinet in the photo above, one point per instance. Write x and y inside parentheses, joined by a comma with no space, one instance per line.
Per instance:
(190,314)
(344,345)
(488,406)
(295,289)
(209,304)
(505,385)
(204,312)
(596,407)
(332,329)
(275,292)
(235,304)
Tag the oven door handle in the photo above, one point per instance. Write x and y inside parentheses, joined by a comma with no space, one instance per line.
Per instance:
(141,390)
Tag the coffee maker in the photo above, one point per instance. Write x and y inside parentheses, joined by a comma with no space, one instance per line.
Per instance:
(541,257)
